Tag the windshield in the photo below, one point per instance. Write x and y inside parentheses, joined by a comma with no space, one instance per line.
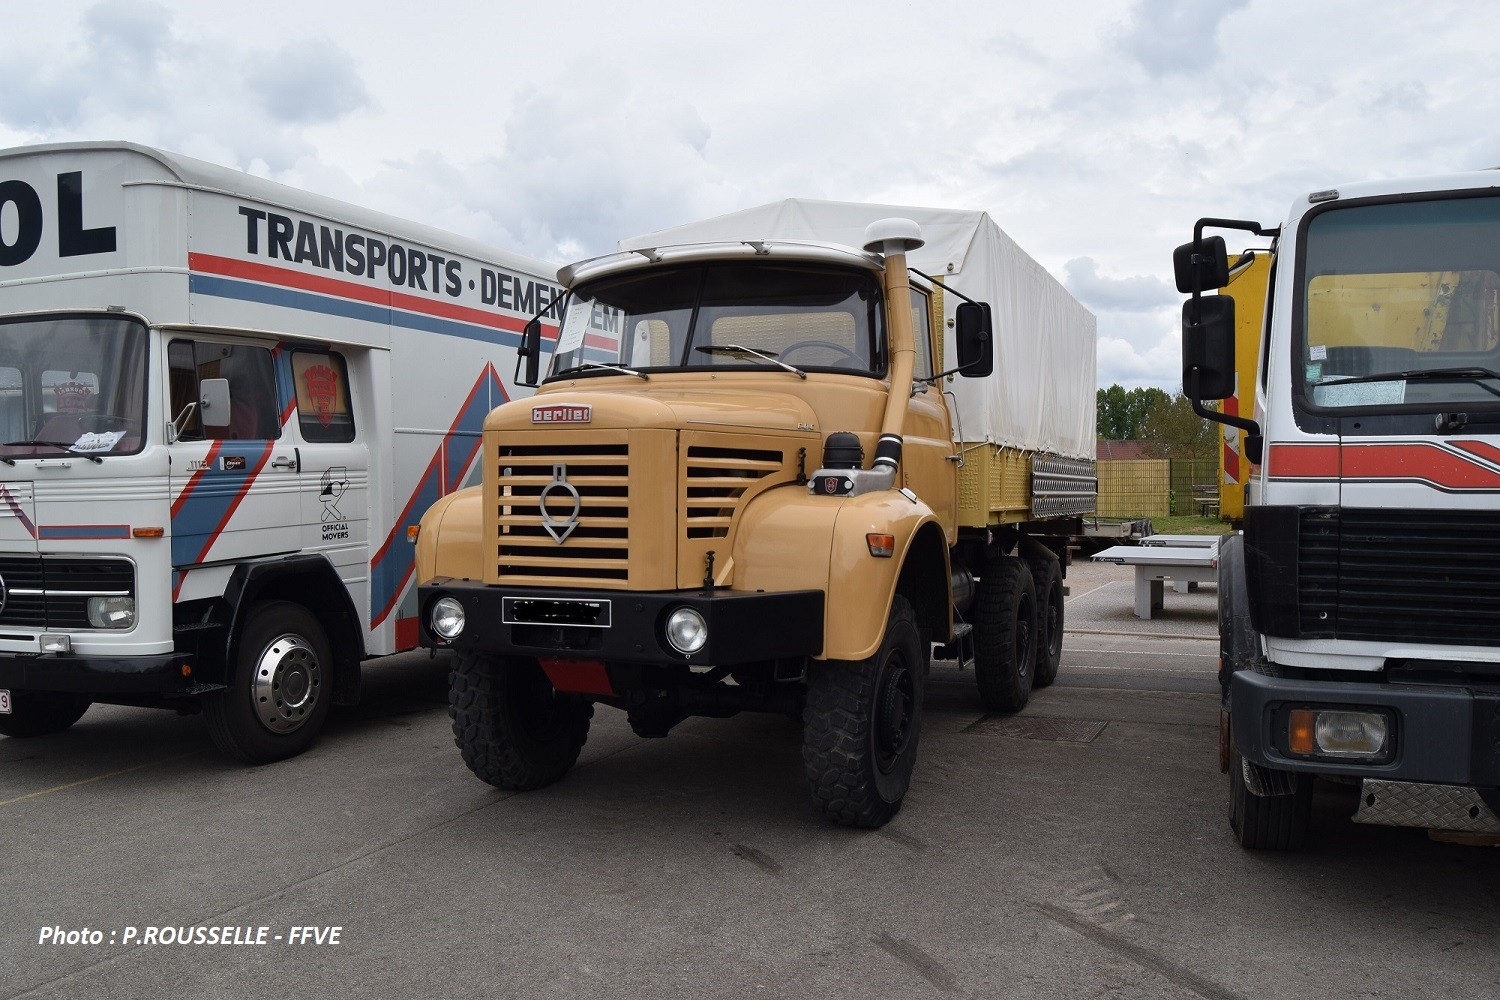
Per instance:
(724,315)
(71,383)
(1401,306)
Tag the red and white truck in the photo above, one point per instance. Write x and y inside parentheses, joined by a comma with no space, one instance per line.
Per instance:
(1359,612)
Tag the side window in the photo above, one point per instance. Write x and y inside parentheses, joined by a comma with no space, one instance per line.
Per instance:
(921,328)
(324,415)
(253,406)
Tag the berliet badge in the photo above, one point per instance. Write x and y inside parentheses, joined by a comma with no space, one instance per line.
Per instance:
(560,528)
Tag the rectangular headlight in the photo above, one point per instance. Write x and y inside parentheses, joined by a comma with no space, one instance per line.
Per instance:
(1340,734)
(111,612)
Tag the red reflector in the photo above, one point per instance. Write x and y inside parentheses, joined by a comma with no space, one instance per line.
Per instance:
(578,676)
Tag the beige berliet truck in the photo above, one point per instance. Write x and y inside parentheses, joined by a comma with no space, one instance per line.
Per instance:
(769,472)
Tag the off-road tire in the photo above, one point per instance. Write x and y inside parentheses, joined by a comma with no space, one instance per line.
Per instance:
(1046,574)
(41,713)
(861,725)
(1268,822)
(514,730)
(280,688)
(1006,638)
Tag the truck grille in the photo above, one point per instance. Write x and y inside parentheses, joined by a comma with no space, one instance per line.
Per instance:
(597,547)
(1418,575)
(716,480)
(53,593)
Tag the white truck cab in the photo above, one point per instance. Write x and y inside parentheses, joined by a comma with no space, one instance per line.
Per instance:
(1360,612)
(222,403)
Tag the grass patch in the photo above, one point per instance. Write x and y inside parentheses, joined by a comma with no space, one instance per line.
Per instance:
(1190,524)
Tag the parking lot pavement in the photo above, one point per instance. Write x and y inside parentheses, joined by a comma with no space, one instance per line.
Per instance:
(1076,849)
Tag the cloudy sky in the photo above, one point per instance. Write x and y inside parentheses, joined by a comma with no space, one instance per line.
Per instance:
(1095,133)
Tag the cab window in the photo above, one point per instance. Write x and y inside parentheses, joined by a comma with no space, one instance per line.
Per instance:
(324,415)
(253,409)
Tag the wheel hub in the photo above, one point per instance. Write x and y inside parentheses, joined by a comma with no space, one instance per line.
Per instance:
(894,709)
(288,683)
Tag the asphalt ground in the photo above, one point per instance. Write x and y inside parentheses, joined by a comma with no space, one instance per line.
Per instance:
(1076,849)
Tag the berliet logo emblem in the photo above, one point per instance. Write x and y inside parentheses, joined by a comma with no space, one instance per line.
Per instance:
(560,527)
(561,414)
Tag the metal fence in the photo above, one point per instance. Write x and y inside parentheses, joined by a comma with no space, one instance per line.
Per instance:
(1158,487)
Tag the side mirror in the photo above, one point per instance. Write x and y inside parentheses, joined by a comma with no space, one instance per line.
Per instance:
(529,353)
(213,401)
(1208,347)
(975,344)
(1201,266)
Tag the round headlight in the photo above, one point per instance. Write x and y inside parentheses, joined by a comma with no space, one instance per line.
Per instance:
(447,617)
(111,612)
(686,630)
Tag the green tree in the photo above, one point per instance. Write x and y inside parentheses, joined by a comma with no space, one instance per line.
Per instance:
(1175,431)
(1122,413)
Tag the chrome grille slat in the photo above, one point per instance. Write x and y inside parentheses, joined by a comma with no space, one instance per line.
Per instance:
(596,550)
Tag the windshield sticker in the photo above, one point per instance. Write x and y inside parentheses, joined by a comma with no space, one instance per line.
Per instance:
(1314,373)
(1361,394)
(91,442)
(574,327)
(1318,352)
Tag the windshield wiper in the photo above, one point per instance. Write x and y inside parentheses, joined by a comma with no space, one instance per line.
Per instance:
(1471,374)
(594,365)
(54,444)
(741,353)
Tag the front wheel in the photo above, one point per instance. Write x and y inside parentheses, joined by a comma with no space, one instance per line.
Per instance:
(514,730)
(279,693)
(41,713)
(1274,814)
(860,726)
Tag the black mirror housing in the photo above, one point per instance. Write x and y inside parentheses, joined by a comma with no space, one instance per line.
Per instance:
(529,353)
(1208,347)
(975,343)
(1202,270)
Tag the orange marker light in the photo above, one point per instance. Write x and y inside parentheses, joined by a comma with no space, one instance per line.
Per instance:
(881,545)
(1300,731)
(148,532)
(412,530)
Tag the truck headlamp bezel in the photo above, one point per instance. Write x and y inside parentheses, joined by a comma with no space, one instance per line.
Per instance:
(446,618)
(1346,734)
(115,612)
(686,630)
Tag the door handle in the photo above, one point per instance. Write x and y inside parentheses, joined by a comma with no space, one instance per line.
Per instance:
(282,462)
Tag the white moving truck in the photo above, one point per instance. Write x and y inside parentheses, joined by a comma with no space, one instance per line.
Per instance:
(223,403)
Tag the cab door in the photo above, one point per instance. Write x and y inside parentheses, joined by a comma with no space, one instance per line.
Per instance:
(927,449)
(334,458)
(233,477)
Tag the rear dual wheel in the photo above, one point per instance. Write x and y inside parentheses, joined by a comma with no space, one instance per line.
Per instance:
(1007,639)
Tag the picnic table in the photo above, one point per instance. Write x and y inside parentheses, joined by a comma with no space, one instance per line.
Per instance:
(1186,560)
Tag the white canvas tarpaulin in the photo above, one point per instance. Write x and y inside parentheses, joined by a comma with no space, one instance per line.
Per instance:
(1041,396)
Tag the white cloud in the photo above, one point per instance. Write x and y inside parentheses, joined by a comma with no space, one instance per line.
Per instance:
(308,81)
(1094,133)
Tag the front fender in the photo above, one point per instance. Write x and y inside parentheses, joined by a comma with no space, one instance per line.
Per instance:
(450,542)
(789,540)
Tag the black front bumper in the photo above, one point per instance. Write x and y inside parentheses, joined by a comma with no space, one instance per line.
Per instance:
(1443,735)
(627,626)
(96,675)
